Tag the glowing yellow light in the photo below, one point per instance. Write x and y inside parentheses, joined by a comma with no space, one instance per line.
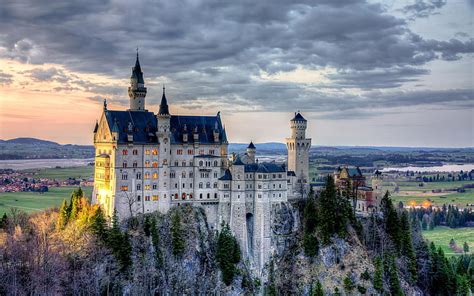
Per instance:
(103,192)
(412,203)
(426,204)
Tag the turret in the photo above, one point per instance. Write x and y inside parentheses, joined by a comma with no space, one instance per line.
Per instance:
(137,89)
(298,126)
(251,151)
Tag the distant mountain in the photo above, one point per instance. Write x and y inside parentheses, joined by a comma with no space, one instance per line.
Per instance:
(31,141)
(31,148)
(260,146)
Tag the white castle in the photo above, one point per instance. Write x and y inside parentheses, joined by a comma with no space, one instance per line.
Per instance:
(147,162)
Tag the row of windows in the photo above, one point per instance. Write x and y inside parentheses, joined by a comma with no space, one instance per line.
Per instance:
(264,176)
(135,151)
(190,196)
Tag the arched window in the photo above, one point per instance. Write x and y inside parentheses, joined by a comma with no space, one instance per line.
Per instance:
(200,163)
(208,195)
(124,164)
(124,152)
(183,174)
(215,163)
(200,195)
(183,163)
(215,185)
(176,196)
(215,195)
(200,185)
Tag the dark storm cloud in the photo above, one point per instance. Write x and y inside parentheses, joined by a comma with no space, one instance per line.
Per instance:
(216,50)
(5,78)
(421,8)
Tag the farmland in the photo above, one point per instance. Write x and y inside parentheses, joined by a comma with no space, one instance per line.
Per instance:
(441,236)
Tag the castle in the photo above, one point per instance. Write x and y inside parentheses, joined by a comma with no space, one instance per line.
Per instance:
(147,162)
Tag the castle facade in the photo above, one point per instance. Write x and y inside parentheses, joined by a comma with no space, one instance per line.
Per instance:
(147,162)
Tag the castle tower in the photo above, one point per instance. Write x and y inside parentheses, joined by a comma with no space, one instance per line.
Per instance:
(137,89)
(163,134)
(251,151)
(298,151)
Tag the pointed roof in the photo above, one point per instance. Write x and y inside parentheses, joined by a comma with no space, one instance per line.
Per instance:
(137,71)
(164,110)
(96,127)
(115,128)
(251,146)
(227,176)
(238,161)
(298,117)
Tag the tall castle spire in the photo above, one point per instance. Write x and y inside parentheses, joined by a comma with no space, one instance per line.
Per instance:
(137,89)
(164,110)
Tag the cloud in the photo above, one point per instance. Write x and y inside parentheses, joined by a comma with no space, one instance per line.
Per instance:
(212,53)
(5,78)
(423,9)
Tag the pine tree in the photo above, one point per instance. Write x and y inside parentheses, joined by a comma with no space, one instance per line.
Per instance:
(63,216)
(155,239)
(465,247)
(407,246)
(310,241)
(392,222)
(394,280)
(76,203)
(99,225)
(317,290)
(378,275)
(177,235)
(334,212)
(348,284)
(119,243)
(4,221)
(227,254)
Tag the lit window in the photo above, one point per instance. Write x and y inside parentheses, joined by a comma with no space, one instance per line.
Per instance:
(155,175)
(124,152)
(147,164)
(155,197)
(124,188)
(147,198)
(135,152)
(147,175)
(155,164)
(147,151)
(154,151)
(190,152)
(179,152)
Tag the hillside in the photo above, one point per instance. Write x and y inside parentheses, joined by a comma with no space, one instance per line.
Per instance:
(31,148)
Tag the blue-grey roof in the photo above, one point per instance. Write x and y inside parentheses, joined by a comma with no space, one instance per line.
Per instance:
(204,125)
(265,167)
(227,176)
(238,160)
(143,125)
(298,117)
(354,172)
(164,110)
(137,72)
(251,145)
(291,173)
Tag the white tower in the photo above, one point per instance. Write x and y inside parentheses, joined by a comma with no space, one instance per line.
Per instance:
(298,151)
(137,89)
(163,135)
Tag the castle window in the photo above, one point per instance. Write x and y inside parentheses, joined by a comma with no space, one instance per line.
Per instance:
(279,185)
(259,186)
(183,163)
(279,175)
(183,175)
(215,185)
(179,152)
(164,196)
(124,152)
(190,163)
(155,164)
(135,152)
(208,185)
(215,162)
(139,176)
(147,152)
(279,194)
(259,176)
(273,176)
(273,185)
(208,195)
(155,175)
(165,162)
(176,196)
(155,186)
(215,174)
(176,163)
(124,188)
(190,174)
(124,177)
(175,185)
(211,152)
(190,152)
(259,196)
(201,151)
(135,164)
(147,198)
(190,185)
(238,186)
(200,163)
(200,185)
(139,198)
(200,195)
(172,175)
(147,187)
(154,151)
(139,187)
(124,164)
(190,196)
(147,164)
(184,185)
(155,197)
(147,175)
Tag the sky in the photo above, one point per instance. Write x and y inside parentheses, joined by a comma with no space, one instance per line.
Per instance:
(363,73)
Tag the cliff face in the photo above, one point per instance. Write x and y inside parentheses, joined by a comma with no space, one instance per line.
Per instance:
(157,269)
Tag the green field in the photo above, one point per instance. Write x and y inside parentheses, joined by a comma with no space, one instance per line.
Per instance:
(411,192)
(442,235)
(33,201)
(83,172)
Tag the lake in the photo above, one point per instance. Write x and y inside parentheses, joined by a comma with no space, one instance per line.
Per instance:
(444,168)
(23,164)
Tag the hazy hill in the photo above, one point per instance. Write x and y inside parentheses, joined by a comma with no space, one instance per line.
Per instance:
(31,148)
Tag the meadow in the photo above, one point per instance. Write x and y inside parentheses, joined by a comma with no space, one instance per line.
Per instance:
(33,201)
(82,172)
(442,235)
